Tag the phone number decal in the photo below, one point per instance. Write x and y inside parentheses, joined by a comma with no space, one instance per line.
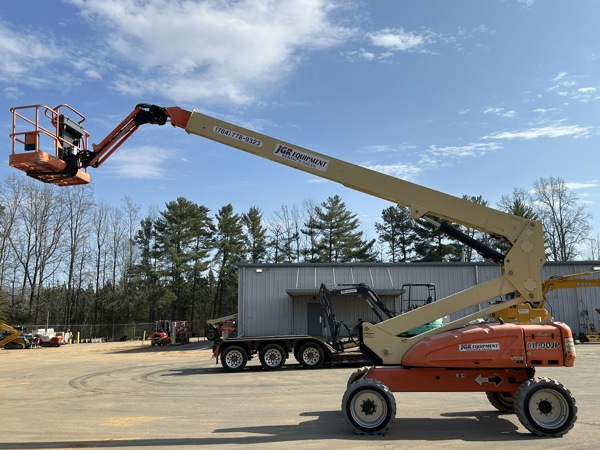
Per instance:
(238,136)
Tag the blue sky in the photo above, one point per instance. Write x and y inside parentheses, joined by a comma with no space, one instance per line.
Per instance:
(464,96)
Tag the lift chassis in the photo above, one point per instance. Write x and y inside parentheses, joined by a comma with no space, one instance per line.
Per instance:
(498,359)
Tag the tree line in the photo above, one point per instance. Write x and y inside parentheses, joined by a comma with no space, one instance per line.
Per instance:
(65,258)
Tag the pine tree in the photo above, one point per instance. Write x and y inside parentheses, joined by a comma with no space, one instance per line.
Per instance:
(230,245)
(339,237)
(397,232)
(183,232)
(256,234)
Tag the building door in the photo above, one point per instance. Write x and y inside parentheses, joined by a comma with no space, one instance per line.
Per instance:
(315,328)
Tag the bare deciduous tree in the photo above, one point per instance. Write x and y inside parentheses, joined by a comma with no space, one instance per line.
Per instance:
(566,221)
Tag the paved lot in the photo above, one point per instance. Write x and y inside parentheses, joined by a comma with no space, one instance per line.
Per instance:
(125,395)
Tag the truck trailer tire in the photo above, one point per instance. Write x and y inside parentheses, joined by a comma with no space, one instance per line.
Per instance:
(311,355)
(272,357)
(234,358)
(545,407)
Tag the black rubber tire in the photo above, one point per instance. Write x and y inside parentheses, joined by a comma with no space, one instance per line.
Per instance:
(369,406)
(211,335)
(272,357)
(311,356)
(234,358)
(545,407)
(502,401)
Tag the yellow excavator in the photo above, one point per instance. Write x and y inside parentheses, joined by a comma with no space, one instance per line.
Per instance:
(592,334)
(498,359)
(535,311)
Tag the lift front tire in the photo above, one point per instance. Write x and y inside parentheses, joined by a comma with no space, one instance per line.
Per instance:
(545,407)
(311,355)
(369,406)
(234,358)
(272,357)
(502,401)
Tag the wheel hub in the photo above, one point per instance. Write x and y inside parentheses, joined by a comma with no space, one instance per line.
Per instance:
(545,407)
(368,407)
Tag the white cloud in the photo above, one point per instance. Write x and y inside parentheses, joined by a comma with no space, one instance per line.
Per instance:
(567,86)
(580,185)
(142,162)
(398,40)
(527,3)
(223,51)
(500,112)
(551,131)
(470,150)
(12,93)
(403,171)
(388,148)
(23,55)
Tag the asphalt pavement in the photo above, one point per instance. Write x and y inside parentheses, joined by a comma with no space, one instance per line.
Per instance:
(129,395)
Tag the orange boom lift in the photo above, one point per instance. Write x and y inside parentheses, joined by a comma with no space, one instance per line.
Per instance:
(498,359)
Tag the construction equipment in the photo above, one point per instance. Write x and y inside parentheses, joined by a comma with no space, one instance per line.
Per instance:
(13,337)
(221,326)
(411,299)
(170,332)
(48,338)
(339,343)
(497,359)
(535,310)
(591,333)
(311,351)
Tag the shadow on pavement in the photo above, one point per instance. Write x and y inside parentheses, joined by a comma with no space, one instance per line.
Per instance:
(475,426)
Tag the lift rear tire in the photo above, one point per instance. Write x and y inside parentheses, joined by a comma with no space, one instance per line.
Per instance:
(502,401)
(272,357)
(234,358)
(545,407)
(311,355)
(369,406)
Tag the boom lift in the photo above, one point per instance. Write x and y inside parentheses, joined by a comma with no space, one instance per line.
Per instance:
(495,358)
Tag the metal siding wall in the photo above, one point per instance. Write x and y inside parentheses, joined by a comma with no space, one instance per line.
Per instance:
(265,308)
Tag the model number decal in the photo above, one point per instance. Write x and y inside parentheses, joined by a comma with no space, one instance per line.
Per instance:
(238,136)
(479,347)
(542,345)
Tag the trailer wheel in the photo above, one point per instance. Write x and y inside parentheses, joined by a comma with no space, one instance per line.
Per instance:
(272,357)
(545,407)
(234,358)
(502,401)
(311,355)
(369,406)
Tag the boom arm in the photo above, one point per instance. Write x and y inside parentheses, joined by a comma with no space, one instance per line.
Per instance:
(520,266)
